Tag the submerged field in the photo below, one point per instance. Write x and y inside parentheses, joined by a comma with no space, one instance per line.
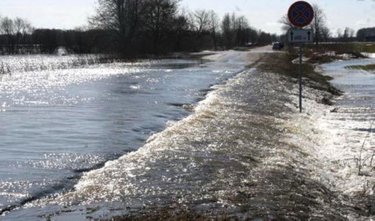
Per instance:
(244,153)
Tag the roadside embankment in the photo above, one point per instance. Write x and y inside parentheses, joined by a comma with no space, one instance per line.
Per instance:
(240,155)
(245,153)
(342,137)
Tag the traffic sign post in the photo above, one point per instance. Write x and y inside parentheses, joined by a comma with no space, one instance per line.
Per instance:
(300,15)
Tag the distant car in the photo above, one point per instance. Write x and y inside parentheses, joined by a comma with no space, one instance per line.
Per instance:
(277,45)
(249,44)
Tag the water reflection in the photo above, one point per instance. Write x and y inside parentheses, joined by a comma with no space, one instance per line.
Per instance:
(56,124)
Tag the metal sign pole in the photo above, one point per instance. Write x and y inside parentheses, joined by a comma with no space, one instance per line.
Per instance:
(300,15)
(300,78)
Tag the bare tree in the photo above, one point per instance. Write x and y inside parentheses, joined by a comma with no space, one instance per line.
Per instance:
(237,31)
(286,24)
(200,20)
(18,25)
(21,28)
(180,27)
(122,17)
(241,26)
(131,20)
(339,33)
(214,26)
(205,22)
(348,34)
(319,24)
(159,16)
(7,28)
(227,29)
(325,34)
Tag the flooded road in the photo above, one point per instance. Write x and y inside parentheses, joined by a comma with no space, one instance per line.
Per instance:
(57,120)
(244,153)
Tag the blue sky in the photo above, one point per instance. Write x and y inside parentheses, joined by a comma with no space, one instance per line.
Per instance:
(261,14)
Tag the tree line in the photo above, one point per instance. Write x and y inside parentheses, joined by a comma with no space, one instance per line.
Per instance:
(137,27)
(160,26)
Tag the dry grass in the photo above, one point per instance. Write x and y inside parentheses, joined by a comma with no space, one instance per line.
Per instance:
(370,67)
(324,53)
(282,64)
(344,48)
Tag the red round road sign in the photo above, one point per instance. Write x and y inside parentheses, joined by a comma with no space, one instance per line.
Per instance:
(301,14)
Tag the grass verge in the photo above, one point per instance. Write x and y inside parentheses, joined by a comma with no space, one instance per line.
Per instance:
(344,48)
(281,63)
(370,67)
(325,52)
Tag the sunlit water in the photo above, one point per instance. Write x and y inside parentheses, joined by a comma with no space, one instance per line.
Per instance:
(341,137)
(350,140)
(58,122)
(358,85)
(245,152)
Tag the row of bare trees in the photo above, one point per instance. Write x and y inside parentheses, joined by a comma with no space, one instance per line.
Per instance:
(14,32)
(158,26)
(205,22)
(137,27)
(132,21)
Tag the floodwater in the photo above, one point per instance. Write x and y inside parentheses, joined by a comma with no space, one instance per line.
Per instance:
(358,85)
(244,153)
(59,119)
(351,126)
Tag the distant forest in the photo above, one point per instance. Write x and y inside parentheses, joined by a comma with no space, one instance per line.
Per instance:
(136,27)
